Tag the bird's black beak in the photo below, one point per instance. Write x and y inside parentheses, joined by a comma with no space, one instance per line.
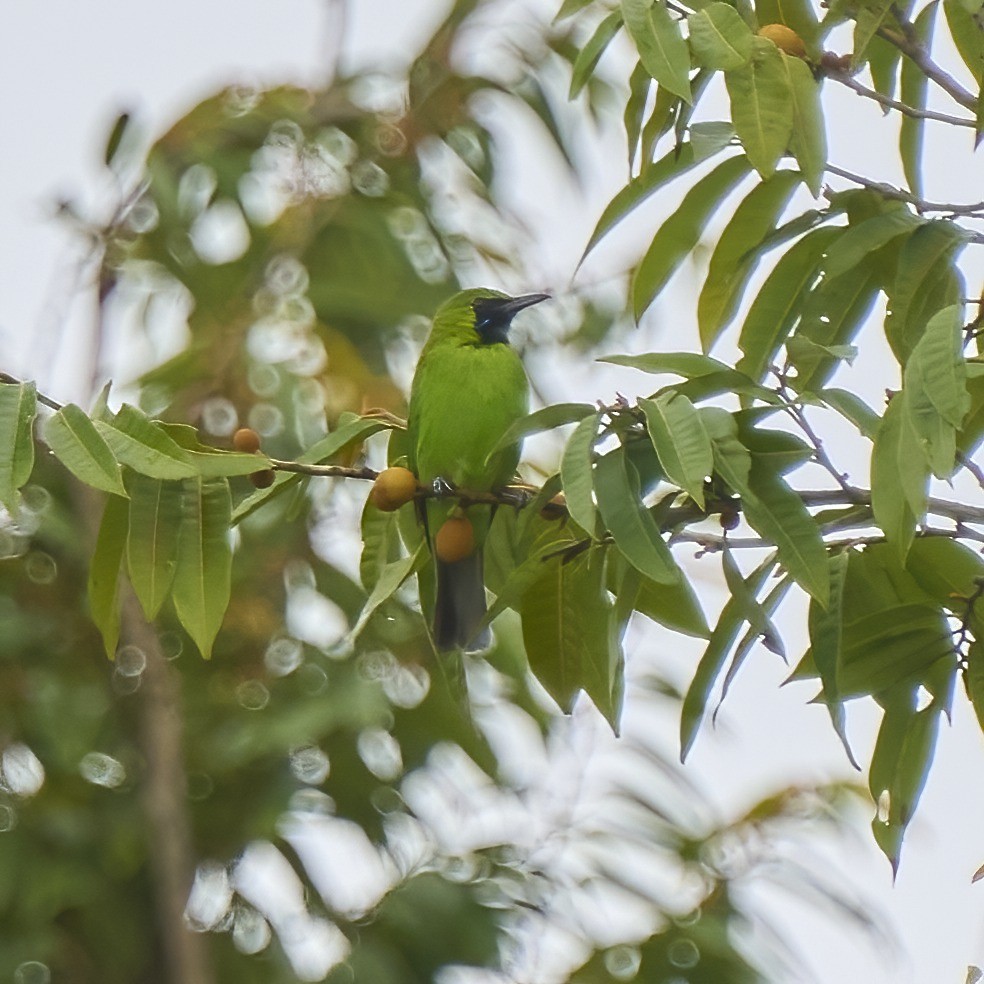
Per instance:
(493,315)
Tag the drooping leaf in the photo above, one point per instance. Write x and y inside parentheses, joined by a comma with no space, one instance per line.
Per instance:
(682,445)
(630,523)
(569,8)
(565,616)
(660,43)
(152,538)
(592,51)
(761,106)
(104,572)
(677,236)
(809,138)
(732,262)
(825,626)
(678,161)
(776,307)
(719,38)
(686,364)
(859,241)
(576,472)
(923,283)
(144,446)
(712,661)
(675,606)
(913,92)
(710,138)
(634,116)
(202,575)
(81,449)
(389,581)
(18,406)
(869,18)
(547,418)
(853,408)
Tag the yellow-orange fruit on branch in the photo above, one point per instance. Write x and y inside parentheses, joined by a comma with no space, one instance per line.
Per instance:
(784,38)
(455,540)
(246,440)
(393,488)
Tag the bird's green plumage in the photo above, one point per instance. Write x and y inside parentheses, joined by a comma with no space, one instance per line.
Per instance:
(469,387)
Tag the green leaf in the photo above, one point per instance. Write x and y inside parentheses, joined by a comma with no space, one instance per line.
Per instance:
(853,408)
(914,88)
(18,406)
(152,538)
(883,64)
(712,661)
(974,679)
(592,51)
(710,138)
(630,523)
(899,477)
(938,368)
(779,451)
(778,514)
(202,576)
(682,445)
(675,606)
(797,14)
(661,46)
(968,39)
(719,38)
(924,283)
(640,84)
(947,571)
(210,462)
(686,364)
(732,263)
(547,418)
(761,106)
(104,572)
(570,7)
(830,317)
(732,460)
(825,643)
(576,472)
(809,140)
(859,241)
(777,306)
(678,161)
(868,19)
(677,236)
(566,614)
(73,438)
(390,580)
(144,445)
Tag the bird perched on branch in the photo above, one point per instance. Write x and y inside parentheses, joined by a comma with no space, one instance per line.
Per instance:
(468,389)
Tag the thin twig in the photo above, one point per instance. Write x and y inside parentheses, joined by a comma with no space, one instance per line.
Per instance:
(41,398)
(976,210)
(919,114)
(716,541)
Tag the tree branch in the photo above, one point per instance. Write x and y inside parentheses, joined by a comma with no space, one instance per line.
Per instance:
(976,210)
(844,78)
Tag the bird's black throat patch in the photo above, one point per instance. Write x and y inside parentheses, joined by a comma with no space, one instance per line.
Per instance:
(493,315)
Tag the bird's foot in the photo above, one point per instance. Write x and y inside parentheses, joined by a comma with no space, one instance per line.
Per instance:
(442,488)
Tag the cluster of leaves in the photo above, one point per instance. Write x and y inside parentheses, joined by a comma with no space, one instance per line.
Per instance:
(912,622)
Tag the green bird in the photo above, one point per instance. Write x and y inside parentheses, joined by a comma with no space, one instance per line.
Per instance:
(469,387)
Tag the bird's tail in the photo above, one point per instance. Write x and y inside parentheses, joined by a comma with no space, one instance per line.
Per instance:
(460,605)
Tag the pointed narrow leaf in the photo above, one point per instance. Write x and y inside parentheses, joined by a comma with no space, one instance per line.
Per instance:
(869,18)
(18,406)
(202,578)
(660,43)
(630,523)
(778,513)
(592,51)
(761,106)
(576,472)
(719,38)
(144,445)
(921,282)
(547,418)
(640,85)
(913,91)
(712,661)
(797,14)
(825,644)
(809,140)
(899,477)
(570,7)
(566,617)
(677,236)
(861,240)
(732,262)
(853,408)
(938,368)
(152,538)
(675,606)
(686,364)
(390,579)
(678,161)
(774,311)
(682,445)
(81,449)
(104,572)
